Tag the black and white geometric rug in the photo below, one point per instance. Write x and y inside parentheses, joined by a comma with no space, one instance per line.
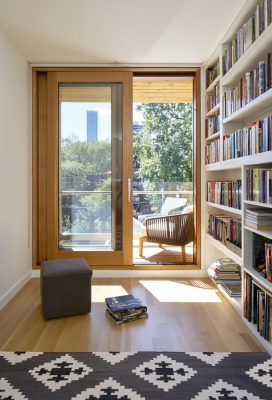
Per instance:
(135,376)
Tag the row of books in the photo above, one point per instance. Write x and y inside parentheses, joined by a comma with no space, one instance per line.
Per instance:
(227,230)
(213,98)
(259,185)
(249,87)
(212,125)
(259,218)
(261,255)
(224,270)
(212,151)
(211,74)
(258,21)
(226,193)
(258,307)
(249,140)
(125,308)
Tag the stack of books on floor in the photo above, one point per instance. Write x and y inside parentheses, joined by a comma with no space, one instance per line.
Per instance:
(259,218)
(125,308)
(224,269)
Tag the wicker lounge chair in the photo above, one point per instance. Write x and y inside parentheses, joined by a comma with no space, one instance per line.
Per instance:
(175,230)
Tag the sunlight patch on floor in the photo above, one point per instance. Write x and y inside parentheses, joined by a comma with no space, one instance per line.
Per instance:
(100,292)
(177,292)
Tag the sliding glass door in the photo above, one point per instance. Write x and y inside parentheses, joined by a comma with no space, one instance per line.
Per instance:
(90,166)
(83,199)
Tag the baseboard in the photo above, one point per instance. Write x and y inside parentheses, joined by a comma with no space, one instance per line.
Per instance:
(14,289)
(119,273)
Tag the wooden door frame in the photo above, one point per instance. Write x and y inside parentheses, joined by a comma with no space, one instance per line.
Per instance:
(49,176)
(40,209)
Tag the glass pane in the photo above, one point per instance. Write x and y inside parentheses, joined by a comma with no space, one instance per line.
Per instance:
(163,170)
(90,167)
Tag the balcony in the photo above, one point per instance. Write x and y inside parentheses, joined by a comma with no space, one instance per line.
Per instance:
(86,223)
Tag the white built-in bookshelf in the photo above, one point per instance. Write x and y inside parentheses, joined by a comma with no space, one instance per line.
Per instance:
(237,146)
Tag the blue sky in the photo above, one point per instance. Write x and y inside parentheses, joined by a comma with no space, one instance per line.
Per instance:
(74,119)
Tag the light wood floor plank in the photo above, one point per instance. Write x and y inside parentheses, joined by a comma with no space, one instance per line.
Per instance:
(171,326)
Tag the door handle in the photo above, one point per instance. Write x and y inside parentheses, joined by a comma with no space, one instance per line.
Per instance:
(129,190)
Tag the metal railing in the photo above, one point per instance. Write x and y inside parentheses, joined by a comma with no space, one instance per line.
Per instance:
(71,209)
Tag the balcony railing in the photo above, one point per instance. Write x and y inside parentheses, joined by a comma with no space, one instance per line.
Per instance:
(76,211)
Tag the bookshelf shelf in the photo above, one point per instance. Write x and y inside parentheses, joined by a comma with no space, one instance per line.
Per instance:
(235,257)
(224,165)
(251,56)
(256,203)
(224,208)
(253,109)
(212,137)
(243,127)
(212,85)
(213,111)
(266,234)
(234,163)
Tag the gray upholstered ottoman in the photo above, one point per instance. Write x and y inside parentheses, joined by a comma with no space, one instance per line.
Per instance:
(65,287)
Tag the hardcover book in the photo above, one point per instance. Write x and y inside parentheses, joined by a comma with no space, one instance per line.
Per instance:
(127,319)
(124,303)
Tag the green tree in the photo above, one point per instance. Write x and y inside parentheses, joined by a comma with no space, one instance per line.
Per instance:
(85,167)
(84,164)
(164,148)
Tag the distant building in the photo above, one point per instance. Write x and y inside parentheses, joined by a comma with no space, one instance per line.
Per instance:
(137,127)
(91,126)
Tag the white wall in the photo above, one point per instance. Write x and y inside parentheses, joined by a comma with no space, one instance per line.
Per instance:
(15,242)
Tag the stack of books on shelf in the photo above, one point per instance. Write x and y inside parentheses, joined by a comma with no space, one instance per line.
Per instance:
(224,270)
(257,23)
(248,141)
(227,193)
(258,308)
(226,230)
(233,289)
(259,218)
(259,185)
(125,308)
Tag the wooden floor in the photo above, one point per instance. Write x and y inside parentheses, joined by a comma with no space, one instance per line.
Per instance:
(184,315)
(153,254)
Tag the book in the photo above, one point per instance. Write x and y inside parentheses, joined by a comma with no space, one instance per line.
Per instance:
(260,227)
(233,289)
(227,263)
(127,313)
(124,303)
(125,320)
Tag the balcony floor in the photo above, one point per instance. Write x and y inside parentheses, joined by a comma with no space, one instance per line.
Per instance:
(153,254)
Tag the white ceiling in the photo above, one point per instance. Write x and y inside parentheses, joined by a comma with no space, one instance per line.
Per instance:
(123,31)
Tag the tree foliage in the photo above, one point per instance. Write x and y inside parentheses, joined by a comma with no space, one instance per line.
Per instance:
(83,164)
(164,148)
(85,167)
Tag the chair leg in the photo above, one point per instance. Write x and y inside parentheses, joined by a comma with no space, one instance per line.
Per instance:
(183,250)
(160,245)
(141,242)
